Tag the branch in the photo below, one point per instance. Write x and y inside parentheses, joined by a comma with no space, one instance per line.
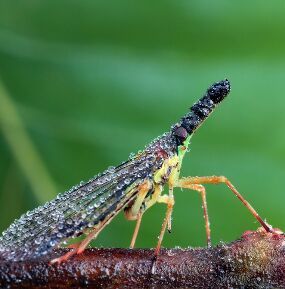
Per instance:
(257,260)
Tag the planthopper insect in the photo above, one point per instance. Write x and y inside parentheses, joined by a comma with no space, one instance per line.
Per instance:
(133,186)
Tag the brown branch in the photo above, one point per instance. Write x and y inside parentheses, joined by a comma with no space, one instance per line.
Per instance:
(257,260)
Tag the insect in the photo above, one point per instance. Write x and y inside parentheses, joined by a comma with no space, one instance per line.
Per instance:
(133,186)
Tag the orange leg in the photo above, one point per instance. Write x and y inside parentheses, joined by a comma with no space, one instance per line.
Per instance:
(135,211)
(202,191)
(79,248)
(169,221)
(221,179)
(136,231)
(73,246)
(88,239)
(66,256)
(169,200)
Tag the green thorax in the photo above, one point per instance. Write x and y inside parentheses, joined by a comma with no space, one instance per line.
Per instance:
(183,149)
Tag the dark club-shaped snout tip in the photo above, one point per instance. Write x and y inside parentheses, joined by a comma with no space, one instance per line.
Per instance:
(219,90)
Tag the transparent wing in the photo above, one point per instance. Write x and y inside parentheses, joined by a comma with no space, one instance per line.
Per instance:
(82,207)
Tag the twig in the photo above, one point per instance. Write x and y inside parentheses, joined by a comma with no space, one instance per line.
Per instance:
(257,260)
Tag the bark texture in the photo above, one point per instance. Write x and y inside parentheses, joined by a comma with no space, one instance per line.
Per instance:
(257,260)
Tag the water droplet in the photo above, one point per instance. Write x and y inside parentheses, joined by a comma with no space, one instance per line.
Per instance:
(127,181)
(111,169)
(37,241)
(132,155)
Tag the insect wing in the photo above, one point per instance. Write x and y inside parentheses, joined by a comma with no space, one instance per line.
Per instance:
(72,212)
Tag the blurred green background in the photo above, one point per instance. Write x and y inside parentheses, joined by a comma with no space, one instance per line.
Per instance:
(84,83)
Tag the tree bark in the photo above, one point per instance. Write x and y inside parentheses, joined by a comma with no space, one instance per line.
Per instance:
(257,260)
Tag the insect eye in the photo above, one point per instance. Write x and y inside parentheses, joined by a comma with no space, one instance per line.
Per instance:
(180,134)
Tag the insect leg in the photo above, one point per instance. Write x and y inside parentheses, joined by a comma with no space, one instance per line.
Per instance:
(79,248)
(202,191)
(169,200)
(154,197)
(92,235)
(221,179)
(142,191)
(170,214)
(66,256)
(147,204)
(137,228)
(132,211)
(135,211)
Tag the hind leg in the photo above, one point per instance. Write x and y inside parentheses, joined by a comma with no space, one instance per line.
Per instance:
(78,247)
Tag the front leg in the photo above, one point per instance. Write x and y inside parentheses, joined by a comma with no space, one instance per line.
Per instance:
(201,189)
(221,179)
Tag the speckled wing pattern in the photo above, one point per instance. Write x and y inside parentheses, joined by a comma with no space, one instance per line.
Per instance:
(37,232)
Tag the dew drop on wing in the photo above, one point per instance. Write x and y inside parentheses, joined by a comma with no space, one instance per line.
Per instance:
(38,231)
